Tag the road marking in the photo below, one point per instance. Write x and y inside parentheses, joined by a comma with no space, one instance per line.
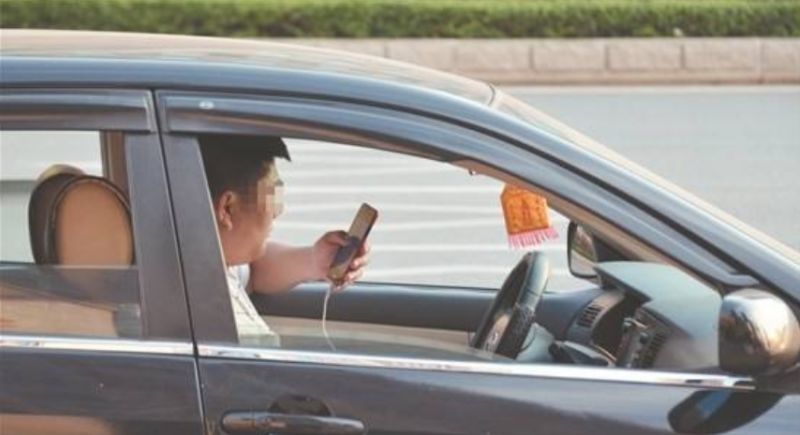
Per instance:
(338,158)
(289,175)
(518,91)
(493,210)
(469,269)
(458,247)
(329,190)
(400,226)
(317,145)
(431,208)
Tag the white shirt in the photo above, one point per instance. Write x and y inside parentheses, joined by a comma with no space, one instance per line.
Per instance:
(251,328)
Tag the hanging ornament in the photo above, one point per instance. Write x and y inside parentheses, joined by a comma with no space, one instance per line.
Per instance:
(526,216)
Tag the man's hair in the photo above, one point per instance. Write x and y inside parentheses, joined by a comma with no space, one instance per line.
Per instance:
(238,162)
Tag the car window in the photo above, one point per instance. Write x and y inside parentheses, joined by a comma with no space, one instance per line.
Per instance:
(438,224)
(439,227)
(67,261)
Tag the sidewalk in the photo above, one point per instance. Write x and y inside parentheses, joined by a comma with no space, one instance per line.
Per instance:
(593,61)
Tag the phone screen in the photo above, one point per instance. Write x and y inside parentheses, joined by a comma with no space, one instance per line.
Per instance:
(359,230)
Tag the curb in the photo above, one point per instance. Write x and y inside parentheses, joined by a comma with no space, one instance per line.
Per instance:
(592,61)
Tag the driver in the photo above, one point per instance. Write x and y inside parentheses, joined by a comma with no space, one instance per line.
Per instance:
(246,194)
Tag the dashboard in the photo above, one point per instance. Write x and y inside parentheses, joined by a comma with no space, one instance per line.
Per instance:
(644,316)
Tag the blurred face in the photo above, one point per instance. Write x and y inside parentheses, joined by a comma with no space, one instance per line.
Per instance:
(245,221)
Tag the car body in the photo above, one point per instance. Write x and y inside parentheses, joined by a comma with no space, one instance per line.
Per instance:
(185,371)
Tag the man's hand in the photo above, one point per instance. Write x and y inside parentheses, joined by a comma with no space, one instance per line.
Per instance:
(324,250)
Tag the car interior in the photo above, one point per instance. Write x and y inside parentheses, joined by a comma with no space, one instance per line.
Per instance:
(633,313)
(636,310)
(639,315)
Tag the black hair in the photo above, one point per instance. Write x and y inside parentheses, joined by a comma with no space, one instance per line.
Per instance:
(238,162)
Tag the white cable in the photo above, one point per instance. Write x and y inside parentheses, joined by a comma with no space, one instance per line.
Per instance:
(325,317)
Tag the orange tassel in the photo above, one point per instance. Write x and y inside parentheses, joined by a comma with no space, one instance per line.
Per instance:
(526,216)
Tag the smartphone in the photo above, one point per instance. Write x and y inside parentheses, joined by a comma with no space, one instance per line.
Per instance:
(359,230)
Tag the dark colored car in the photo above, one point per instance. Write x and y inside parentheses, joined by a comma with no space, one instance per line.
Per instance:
(116,316)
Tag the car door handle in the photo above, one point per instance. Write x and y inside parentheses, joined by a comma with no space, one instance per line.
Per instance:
(276,423)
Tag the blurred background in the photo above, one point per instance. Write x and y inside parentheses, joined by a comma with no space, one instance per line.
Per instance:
(705,93)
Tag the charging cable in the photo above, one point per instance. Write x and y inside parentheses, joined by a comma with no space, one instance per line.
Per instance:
(325,317)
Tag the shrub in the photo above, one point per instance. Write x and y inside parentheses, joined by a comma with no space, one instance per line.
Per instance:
(413,18)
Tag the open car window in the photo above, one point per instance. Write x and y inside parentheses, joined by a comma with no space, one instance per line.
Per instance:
(439,224)
(416,300)
(440,234)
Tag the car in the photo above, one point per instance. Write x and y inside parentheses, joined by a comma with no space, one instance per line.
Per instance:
(116,316)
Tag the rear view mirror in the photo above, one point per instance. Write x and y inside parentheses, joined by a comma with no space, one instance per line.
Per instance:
(758,334)
(582,254)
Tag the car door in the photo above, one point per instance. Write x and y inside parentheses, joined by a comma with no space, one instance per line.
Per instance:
(249,389)
(89,345)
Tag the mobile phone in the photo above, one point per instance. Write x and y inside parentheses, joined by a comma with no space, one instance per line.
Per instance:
(359,230)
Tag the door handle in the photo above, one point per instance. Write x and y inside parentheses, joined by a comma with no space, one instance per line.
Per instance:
(290,424)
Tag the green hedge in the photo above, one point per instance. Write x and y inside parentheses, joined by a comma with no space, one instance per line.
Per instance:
(413,18)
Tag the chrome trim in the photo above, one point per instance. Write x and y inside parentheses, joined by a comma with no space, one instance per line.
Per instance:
(551,371)
(81,344)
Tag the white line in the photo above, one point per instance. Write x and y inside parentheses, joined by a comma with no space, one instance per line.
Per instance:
(459,247)
(372,274)
(306,190)
(338,158)
(627,90)
(314,145)
(353,206)
(417,208)
(31,171)
(401,226)
(318,145)
(289,175)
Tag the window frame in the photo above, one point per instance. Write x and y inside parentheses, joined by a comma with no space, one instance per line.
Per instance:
(184,114)
(162,297)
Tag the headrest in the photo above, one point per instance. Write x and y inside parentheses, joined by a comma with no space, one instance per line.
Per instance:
(79,220)
(49,184)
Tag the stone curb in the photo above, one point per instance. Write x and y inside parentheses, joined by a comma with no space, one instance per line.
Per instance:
(592,61)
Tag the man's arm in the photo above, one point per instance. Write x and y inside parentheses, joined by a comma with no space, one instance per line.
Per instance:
(283,267)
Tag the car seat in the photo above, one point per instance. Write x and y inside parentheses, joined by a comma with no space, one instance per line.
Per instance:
(83,281)
(76,219)
(81,232)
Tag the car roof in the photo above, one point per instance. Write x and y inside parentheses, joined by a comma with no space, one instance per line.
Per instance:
(196,50)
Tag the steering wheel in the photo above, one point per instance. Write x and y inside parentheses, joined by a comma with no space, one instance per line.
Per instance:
(507,322)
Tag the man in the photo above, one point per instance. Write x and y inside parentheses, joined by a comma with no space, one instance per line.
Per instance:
(246,194)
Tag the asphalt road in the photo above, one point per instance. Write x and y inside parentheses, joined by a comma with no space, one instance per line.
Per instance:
(737,148)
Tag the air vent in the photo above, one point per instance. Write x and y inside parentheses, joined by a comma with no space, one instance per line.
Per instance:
(586,320)
(650,351)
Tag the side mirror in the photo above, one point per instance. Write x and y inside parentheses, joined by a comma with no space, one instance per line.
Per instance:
(758,334)
(581,252)
(719,411)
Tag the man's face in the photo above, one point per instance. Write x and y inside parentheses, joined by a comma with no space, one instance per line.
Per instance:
(245,221)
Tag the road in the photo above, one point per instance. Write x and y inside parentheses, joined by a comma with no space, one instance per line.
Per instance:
(735,147)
